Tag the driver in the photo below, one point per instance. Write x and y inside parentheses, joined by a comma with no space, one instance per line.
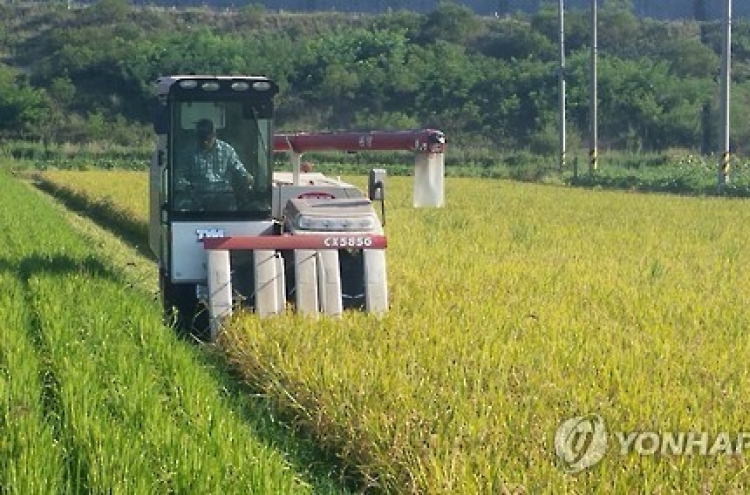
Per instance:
(215,166)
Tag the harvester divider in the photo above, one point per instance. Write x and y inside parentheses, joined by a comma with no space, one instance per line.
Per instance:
(317,273)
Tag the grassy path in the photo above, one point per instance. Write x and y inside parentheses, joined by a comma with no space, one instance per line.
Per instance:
(97,396)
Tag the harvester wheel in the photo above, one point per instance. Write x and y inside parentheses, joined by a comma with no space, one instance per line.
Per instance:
(182,310)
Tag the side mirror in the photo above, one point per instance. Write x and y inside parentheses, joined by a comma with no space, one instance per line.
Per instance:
(376,184)
(376,189)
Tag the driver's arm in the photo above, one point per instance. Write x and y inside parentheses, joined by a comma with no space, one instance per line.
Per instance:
(239,175)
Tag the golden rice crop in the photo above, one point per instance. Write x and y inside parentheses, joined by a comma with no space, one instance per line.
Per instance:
(125,190)
(513,308)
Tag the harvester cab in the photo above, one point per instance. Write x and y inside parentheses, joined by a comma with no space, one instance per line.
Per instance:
(228,231)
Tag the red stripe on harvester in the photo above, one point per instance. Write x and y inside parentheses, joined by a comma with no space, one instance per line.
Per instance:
(425,140)
(333,241)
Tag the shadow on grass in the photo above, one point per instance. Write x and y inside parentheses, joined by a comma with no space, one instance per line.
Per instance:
(103,212)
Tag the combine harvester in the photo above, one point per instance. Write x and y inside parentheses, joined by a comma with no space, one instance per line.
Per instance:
(228,231)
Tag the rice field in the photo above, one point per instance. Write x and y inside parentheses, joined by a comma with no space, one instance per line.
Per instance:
(98,396)
(515,308)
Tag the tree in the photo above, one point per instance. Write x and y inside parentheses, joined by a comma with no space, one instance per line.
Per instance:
(108,12)
(22,107)
(450,22)
(691,58)
(61,93)
(513,39)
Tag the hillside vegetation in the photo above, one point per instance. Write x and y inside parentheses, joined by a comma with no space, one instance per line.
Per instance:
(86,74)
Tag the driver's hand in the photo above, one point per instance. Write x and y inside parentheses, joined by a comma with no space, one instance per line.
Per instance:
(250,182)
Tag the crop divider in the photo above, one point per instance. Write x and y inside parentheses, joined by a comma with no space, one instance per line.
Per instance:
(317,273)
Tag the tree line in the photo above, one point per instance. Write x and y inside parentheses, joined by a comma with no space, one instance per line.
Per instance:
(83,74)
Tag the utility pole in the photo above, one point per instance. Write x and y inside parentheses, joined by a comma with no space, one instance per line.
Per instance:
(561,81)
(593,163)
(726,82)
(700,12)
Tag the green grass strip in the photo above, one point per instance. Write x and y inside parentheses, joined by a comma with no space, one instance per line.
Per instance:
(30,457)
(114,402)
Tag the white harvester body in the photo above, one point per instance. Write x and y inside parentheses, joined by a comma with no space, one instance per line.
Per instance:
(229,231)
